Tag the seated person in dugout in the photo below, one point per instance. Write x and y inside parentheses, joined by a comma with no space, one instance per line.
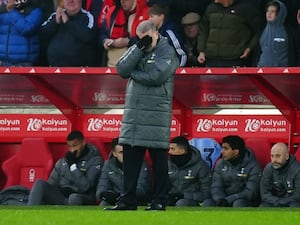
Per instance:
(236,177)
(189,174)
(111,179)
(74,178)
(280,182)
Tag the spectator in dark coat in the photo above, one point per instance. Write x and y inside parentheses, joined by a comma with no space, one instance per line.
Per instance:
(236,176)
(230,32)
(280,182)
(71,34)
(189,174)
(191,31)
(158,14)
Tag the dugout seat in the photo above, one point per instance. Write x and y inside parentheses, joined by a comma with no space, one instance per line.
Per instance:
(31,162)
(297,154)
(100,145)
(261,148)
(209,148)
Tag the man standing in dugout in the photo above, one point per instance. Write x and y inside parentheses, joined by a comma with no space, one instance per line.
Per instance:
(149,65)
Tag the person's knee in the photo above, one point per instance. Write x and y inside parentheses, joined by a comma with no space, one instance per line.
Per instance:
(265,204)
(39,184)
(208,203)
(294,204)
(240,203)
(37,192)
(75,199)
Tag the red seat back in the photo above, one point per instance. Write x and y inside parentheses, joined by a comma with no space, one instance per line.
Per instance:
(261,148)
(100,145)
(33,161)
(297,154)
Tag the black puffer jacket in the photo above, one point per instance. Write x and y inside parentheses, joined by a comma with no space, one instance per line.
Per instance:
(193,179)
(148,106)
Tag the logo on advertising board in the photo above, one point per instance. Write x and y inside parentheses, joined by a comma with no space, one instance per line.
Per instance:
(39,99)
(105,97)
(47,124)
(109,125)
(34,125)
(217,126)
(7,124)
(258,99)
(266,125)
(221,98)
(104,124)
(11,98)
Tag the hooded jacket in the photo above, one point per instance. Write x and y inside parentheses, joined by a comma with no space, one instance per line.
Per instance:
(279,42)
(193,179)
(274,41)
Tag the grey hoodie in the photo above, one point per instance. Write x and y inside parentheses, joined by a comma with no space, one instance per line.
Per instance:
(274,41)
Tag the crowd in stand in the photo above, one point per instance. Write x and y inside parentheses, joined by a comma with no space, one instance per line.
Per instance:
(236,179)
(211,33)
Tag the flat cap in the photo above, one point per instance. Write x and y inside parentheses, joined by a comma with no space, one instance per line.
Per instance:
(190,18)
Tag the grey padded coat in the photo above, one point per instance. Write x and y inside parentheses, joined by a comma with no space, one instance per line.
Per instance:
(148,105)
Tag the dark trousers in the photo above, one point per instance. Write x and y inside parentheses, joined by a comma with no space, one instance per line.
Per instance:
(132,161)
(43,193)
(225,63)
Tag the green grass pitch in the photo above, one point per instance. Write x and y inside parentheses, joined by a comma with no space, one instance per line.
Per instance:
(94,215)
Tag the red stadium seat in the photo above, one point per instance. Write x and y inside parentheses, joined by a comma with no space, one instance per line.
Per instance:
(261,148)
(33,161)
(297,154)
(100,145)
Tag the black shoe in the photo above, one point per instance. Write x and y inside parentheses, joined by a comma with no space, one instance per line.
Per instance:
(122,206)
(156,206)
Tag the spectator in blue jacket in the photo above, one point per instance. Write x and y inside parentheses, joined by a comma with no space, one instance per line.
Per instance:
(19,26)
(158,14)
